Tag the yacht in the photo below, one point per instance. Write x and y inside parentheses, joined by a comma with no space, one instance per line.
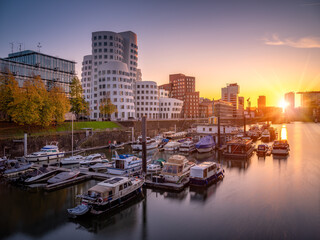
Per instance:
(280,147)
(48,152)
(93,159)
(150,144)
(125,164)
(176,168)
(172,146)
(205,144)
(265,136)
(71,160)
(107,195)
(205,173)
(187,146)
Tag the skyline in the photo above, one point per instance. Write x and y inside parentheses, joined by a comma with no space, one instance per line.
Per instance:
(267,48)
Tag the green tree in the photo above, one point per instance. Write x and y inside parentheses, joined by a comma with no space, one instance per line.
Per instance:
(78,104)
(8,85)
(107,107)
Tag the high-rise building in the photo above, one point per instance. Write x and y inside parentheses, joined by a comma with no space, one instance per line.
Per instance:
(230,94)
(289,98)
(206,108)
(261,103)
(310,99)
(183,88)
(110,72)
(240,106)
(26,64)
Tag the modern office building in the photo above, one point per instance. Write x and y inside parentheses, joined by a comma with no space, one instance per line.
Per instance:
(183,88)
(26,64)
(110,72)
(223,109)
(147,99)
(289,98)
(170,108)
(230,94)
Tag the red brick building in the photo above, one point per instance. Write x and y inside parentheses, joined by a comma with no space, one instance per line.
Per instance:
(205,108)
(183,88)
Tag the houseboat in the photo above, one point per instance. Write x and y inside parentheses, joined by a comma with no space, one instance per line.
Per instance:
(206,144)
(107,195)
(187,146)
(265,136)
(239,148)
(48,152)
(280,147)
(205,173)
(150,144)
(176,168)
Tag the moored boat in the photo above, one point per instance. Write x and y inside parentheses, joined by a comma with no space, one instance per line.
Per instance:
(155,166)
(93,159)
(262,149)
(41,174)
(265,136)
(63,177)
(205,173)
(280,147)
(239,148)
(205,144)
(71,160)
(176,168)
(187,146)
(15,168)
(48,152)
(150,144)
(172,146)
(125,164)
(107,195)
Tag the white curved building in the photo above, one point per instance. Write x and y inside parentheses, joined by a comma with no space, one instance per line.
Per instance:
(147,99)
(114,58)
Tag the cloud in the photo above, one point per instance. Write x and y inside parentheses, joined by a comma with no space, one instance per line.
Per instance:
(305,42)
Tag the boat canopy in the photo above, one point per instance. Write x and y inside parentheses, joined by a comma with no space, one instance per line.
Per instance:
(205,141)
(177,159)
(99,191)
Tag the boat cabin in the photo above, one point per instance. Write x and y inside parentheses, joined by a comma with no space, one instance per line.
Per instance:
(175,165)
(203,170)
(239,146)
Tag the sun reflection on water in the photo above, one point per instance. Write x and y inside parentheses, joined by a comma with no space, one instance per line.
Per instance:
(283,135)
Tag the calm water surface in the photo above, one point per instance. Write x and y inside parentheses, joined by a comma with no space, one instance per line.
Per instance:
(260,198)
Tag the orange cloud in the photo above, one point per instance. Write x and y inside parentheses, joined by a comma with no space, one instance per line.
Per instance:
(305,42)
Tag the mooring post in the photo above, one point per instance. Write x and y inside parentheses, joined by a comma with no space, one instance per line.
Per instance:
(219,142)
(144,147)
(25,144)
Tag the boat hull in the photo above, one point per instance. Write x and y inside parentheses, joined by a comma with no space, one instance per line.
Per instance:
(283,152)
(44,158)
(207,181)
(138,147)
(204,150)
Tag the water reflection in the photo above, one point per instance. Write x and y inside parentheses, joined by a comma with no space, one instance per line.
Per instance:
(202,194)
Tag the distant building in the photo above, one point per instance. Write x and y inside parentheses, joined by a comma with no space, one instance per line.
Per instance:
(310,99)
(26,64)
(206,108)
(223,109)
(240,106)
(289,98)
(261,104)
(170,108)
(147,99)
(183,88)
(230,94)
(167,87)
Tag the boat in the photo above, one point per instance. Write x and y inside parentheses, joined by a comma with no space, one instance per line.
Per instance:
(93,159)
(262,149)
(71,160)
(187,146)
(265,136)
(63,177)
(205,173)
(239,148)
(3,162)
(107,195)
(155,166)
(205,144)
(48,152)
(150,144)
(41,174)
(171,146)
(280,147)
(176,169)
(99,167)
(116,145)
(15,168)
(125,164)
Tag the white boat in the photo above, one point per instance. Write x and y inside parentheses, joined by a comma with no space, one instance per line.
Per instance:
(93,159)
(205,173)
(150,144)
(63,177)
(107,195)
(176,169)
(172,146)
(72,160)
(42,174)
(125,164)
(99,166)
(187,146)
(155,166)
(48,152)
(265,136)
(280,147)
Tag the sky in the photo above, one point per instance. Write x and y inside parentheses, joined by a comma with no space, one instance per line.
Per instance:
(267,47)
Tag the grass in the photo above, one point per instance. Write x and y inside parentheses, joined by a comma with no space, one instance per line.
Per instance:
(11,130)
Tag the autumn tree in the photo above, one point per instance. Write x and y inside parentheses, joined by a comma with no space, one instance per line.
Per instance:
(107,107)
(8,85)
(60,103)
(78,104)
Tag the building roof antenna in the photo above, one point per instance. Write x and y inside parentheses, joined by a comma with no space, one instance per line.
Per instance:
(20,44)
(39,46)
(11,43)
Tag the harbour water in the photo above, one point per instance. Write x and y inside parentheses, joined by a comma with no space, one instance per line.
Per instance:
(259,198)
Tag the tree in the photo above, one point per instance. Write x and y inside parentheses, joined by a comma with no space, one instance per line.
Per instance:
(78,104)
(8,85)
(107,107)
(60,103)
